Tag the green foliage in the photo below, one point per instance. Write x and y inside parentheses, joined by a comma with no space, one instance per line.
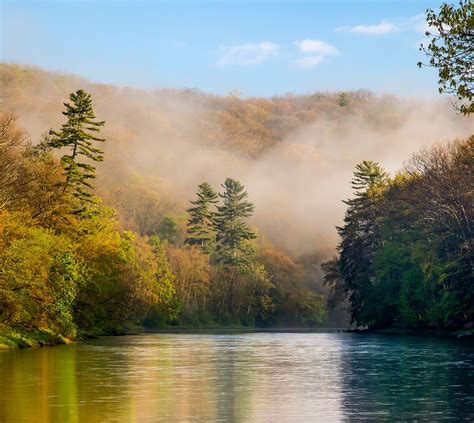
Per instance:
(63,275)
(10,338)
(232,232)
(167,230)
(312,309)
(38,276)
(164,274)
(450,50)
(360,235)
(405,256)
(343,100)
(201,219)
(239,285)
(77,135)
(368,175)
(60,272)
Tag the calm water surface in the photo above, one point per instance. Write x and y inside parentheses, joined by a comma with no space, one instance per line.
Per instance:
(258,377)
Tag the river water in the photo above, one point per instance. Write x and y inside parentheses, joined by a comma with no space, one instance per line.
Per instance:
(257,377)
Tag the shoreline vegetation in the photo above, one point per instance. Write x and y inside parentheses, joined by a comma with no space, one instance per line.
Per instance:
(406,251)
(79,256)
(82,257)
(45,338)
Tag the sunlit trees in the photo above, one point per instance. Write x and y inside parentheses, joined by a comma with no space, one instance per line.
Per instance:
(40,190)
(295,301)
(237,283)
(192,270)
(451,51)
(61,272)
(38,276)
(78,136)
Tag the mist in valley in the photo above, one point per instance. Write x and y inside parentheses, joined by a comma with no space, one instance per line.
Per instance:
(297,172)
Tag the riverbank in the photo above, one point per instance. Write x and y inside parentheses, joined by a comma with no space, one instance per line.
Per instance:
(14,339)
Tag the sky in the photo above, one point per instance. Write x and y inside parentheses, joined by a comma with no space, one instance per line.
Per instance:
(259,48)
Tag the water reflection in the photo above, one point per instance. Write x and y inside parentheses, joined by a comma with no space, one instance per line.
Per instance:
(241,378)
(405,378)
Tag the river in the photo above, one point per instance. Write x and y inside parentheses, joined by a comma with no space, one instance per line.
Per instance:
(256,377)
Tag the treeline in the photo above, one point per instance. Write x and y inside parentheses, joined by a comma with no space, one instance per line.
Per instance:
(68,268)
(162,142)
(406,253)
(246,126)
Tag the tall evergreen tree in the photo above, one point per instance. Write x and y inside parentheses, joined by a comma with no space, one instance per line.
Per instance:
(360,235)
(201,218)
(78,135)
(233,249)
(232,231)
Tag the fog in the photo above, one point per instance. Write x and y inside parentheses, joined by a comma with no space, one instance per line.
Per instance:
(297,184)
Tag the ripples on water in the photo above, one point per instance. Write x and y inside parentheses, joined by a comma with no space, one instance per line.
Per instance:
(258,377)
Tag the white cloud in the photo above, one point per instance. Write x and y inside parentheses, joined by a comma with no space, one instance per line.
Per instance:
(248,54)
(309,62)
(316,52)
(317,46)
(384,27)
(415,23)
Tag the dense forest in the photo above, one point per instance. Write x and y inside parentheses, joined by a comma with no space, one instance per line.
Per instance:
(69,268)
(294,153)
(406,252)
(143,219)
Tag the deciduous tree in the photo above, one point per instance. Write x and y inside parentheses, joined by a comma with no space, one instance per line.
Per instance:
(451,50)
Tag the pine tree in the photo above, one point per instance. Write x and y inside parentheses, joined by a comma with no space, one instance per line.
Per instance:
(78,135)
(201,220)
(233,233)
(360,235)
(234,251)
(367,175)
(343,100)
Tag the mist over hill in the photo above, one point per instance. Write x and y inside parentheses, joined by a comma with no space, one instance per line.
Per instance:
(295,153)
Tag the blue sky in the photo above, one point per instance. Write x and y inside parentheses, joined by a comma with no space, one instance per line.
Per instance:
(258,48)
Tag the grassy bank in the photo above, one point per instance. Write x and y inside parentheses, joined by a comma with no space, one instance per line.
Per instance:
(15,339)
(12,339)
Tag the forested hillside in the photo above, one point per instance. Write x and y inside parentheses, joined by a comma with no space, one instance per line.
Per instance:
(407,251)
(294,153)
(176,207)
